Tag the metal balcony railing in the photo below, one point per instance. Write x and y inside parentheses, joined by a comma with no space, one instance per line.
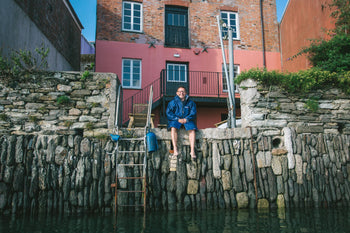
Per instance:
(199,84)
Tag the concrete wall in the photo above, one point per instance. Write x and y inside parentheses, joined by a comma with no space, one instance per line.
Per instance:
(19,31)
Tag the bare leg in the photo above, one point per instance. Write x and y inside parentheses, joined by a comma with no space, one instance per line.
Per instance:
(192,138)
(174,140)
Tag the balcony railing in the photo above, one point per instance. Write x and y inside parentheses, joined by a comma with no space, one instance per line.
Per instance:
(199,84)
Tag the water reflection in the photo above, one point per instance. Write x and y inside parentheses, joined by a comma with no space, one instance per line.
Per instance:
(312,220)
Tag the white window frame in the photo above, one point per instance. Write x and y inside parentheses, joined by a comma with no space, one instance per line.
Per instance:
(132,17)
(236,73)
(173,72)
(228,24)
(131,73)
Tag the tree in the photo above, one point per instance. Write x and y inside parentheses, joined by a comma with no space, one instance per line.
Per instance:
(341,12)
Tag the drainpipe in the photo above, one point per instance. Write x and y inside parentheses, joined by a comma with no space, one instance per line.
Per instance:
(263,32)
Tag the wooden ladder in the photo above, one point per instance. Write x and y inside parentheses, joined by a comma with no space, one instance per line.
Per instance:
(141,177)
(143,138)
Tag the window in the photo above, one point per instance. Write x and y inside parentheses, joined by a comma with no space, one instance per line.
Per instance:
(236,73)
(132,16)
(131,73)
(176,27)
(231,21)
(176,72)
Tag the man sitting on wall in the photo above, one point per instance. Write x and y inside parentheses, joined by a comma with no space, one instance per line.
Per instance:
(182,112)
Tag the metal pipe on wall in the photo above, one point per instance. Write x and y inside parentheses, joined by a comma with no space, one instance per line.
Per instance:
(263,31)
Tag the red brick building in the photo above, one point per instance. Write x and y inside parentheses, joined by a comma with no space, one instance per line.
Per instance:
(167,43)
(302,21)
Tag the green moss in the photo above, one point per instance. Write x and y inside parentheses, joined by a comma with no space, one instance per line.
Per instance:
(89,126)
(101,136)
(312,104)
(68,124)
(3,117)
(94,105)
(33,118)
(85,75)
(62,100)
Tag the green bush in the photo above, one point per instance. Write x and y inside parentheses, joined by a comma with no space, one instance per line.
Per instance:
(23,61)
(85,75)
(332,55)
(303,81)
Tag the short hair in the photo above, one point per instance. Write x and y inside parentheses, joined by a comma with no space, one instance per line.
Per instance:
(181,87)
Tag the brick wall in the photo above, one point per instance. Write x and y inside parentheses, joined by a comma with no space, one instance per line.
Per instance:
(203,23)
(57,24)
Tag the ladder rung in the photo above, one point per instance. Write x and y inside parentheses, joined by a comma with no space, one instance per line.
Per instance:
(132,205)
(134,191)
(136,164)
(131,151)
(132,139)
(132,178)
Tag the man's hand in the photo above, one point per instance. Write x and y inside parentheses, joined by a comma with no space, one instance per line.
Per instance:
(182,121)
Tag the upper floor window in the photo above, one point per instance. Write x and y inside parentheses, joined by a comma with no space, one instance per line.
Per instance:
(231,21)
(132,16)
(176,27)
(131,73)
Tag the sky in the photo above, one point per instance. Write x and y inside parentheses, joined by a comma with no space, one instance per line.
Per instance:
(86,11)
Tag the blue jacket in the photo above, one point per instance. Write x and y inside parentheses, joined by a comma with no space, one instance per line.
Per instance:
(178,109)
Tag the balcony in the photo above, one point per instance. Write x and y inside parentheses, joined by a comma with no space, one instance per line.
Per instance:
(203,87)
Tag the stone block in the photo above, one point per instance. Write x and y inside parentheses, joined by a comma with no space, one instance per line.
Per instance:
(192,187)
(276,166)
(263,204)
(226,180)
(309,129)
(280,201)
(216,161)
(242,200)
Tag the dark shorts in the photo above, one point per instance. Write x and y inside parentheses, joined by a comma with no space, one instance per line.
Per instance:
(188,125)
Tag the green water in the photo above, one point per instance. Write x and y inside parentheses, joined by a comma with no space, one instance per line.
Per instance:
(311,220)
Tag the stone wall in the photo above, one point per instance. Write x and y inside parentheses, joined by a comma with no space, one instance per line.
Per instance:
(270,108)
(292,157)
(58,103)
(71,173)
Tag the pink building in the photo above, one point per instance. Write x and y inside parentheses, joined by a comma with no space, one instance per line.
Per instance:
(176,42)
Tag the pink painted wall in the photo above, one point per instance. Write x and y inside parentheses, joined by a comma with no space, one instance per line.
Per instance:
(109,56)
(207,117)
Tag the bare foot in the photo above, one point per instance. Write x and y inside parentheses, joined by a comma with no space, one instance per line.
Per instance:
(173,155)
(193,157)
